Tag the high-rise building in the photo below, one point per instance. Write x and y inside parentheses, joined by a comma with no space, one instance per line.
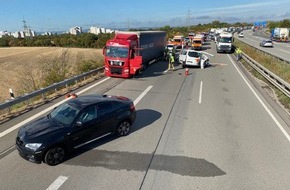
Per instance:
(75,30)
(97,30)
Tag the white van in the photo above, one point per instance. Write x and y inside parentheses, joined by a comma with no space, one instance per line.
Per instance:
(189,57)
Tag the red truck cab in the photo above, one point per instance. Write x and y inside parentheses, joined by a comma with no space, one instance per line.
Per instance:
(121,57)
(130,52)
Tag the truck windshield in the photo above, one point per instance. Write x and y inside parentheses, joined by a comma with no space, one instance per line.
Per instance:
(225,40)
(114,51)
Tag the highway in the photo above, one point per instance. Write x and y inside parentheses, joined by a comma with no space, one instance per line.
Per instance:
(280,49)
(212,129)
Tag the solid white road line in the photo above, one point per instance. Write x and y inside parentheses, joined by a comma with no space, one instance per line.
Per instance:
(11,148)
(265,107)
(200,93)
(90,87)
(57,183)
(46,110)
(142,95)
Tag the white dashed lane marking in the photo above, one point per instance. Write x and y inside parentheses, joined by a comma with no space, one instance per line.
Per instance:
(57,183)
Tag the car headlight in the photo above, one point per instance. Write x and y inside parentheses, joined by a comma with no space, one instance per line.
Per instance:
(33,146)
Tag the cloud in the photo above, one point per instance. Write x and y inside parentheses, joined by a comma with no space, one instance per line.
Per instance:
(242,6)
(284,15)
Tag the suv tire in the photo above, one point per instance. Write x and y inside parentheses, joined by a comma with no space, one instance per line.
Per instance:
(54,156)
(123,128)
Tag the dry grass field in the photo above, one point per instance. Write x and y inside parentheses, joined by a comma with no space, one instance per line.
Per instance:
(16,62)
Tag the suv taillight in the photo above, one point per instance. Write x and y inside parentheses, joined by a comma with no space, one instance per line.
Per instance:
(132,107)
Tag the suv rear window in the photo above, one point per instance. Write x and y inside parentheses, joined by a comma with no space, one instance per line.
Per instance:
(193,54)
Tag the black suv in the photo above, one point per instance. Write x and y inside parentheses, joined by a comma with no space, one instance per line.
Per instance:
(73,124)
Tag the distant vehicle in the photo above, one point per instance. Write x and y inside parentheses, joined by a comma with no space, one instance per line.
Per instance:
(73,124)
(177,40)
(266,43)
(130,52)
(241,35)
(280,34)
(197,42)
(191,34)
(169,47)
(190,57)
(224,42)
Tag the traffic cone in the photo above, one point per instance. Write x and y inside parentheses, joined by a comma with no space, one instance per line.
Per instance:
(186,71)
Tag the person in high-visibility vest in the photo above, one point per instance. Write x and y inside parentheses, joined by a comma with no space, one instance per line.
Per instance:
(171,61)
(239,53)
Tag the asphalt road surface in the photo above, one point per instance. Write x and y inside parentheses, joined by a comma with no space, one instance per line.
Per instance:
(211,129)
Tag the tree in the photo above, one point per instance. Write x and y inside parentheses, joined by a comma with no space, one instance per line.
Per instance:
(55,69)
(285,23)
(4,42)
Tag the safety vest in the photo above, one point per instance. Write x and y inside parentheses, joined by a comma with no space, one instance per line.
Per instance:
(238,51)
(171,58)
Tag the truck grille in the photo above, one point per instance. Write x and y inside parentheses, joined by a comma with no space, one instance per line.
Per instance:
(116,70)
(116,62)
(225,46)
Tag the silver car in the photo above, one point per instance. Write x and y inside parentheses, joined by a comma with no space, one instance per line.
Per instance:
(266,43)
(241,35)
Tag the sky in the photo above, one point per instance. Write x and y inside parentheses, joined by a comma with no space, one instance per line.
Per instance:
(60,15)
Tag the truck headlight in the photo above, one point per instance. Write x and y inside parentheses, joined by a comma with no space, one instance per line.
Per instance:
(33,146)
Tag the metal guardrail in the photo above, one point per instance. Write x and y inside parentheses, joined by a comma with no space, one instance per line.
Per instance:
(55,87)
(270,76)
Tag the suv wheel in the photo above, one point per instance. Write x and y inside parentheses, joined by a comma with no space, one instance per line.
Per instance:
(123,128)
(54,156)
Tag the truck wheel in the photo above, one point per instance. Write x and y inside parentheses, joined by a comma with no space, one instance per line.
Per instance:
(54,156)
(137,74)
(145,66)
